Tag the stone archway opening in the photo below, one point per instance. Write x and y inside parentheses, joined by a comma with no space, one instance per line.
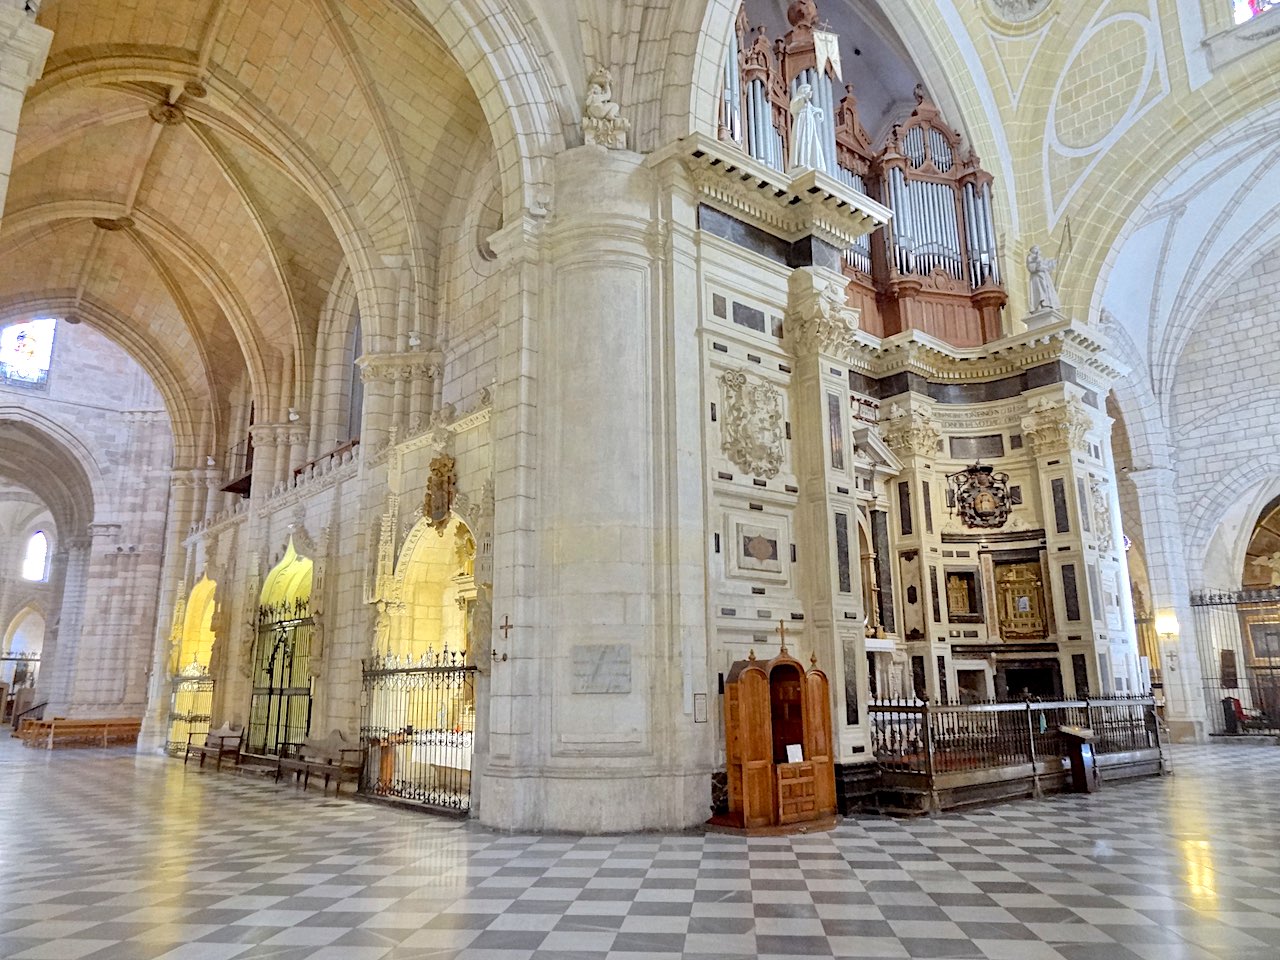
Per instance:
(419,714)
(191,684)
(281,669)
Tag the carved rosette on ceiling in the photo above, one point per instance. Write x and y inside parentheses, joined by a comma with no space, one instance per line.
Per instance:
(819,319)
(1056,426)
(1018,11)
(751,425)
(911,433)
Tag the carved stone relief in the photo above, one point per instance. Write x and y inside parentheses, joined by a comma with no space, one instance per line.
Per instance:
(1101,509)
(751,426)
(1055,426)
(601,123)
(1018,11)
(911,433)
(819,319)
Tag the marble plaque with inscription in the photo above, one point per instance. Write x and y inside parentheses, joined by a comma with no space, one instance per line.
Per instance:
(601,668)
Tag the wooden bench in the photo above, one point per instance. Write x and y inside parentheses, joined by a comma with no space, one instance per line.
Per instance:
(73,732)
(223,742)
(333,757)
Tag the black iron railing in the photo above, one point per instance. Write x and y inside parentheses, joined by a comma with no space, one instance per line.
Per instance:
(418,728)
(928,738)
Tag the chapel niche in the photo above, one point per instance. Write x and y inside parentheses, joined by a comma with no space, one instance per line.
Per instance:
(935,266)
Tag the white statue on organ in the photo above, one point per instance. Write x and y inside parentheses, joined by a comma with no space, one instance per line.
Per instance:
(806,139)
(1044,296)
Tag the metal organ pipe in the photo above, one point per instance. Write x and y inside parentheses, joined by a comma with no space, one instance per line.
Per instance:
(733,91)
(971,237)
(991,232)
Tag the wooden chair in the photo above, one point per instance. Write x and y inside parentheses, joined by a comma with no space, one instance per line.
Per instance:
(225,741)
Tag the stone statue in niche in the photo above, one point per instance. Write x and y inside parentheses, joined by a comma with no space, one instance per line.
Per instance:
(1101,509)
(601,123)
(1044,295)
(751,428)
(806,138)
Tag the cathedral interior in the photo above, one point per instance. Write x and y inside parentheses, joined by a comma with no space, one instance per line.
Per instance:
(847,423)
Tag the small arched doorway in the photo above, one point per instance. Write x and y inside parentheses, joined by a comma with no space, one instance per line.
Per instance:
(191,698)
(280,705)
(20,660)
(418,722)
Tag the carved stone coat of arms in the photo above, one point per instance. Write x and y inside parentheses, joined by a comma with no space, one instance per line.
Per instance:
(752,428)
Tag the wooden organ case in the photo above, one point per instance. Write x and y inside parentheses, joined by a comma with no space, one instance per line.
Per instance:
(770,706)
(935,267)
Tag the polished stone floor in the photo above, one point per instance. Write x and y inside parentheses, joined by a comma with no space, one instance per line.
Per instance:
(111,856)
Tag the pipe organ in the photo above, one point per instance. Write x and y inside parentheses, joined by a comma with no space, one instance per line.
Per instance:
(935,267)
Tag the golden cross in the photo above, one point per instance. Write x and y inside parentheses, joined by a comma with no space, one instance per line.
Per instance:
(782,632)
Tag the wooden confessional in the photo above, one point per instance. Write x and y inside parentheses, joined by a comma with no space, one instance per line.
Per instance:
(778,745)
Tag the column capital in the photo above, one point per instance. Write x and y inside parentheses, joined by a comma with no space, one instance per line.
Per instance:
(1056,426)
(1151,477)
(819,319)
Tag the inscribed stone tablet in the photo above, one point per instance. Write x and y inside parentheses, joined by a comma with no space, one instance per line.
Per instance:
(601,668)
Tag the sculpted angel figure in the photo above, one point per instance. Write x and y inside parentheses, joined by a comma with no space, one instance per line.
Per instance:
(806,139)
(1044,296)
(599,104)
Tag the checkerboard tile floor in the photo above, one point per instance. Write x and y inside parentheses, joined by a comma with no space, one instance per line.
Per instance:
(111,856)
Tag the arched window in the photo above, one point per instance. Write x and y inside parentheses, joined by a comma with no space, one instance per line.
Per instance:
(355,386)
(35,565)
(1248,9)
(26,350)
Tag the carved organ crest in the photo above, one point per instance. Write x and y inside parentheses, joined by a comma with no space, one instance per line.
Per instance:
(751,428)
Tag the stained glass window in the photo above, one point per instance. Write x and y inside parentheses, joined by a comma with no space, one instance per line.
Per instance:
(35,564)
(1248,9)
(25,351)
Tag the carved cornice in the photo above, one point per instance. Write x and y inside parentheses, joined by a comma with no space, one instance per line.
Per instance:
(410,365)
(918,353)
(810,203)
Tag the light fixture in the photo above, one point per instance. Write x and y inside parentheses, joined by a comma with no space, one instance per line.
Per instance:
(415,339)
(1167,624)
(293,415)
(210,462)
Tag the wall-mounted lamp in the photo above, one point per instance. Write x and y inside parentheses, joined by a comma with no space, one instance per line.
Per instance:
(415,339)
(293,415)
(1166,624)
(210,462)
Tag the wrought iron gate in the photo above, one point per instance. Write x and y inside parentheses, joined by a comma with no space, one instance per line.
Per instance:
(1238,639)
(190,708)
(417,729)
(280,709)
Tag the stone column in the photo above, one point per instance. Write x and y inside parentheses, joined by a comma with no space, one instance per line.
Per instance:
(377,427)
(912,434)
(57,675)
(819,330)
(53,628)
(23,48)
(1171,595)
(187,493)
(588,726)
(266,454)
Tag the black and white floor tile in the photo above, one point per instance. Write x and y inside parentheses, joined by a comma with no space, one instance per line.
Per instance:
(109,856)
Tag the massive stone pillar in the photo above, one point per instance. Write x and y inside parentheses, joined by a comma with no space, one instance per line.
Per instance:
(188,493)
(590,725)
(23,48)
(58,666)
(1171,601)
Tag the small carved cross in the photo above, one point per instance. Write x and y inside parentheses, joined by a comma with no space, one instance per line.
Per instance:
(506,627)
(782,633)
